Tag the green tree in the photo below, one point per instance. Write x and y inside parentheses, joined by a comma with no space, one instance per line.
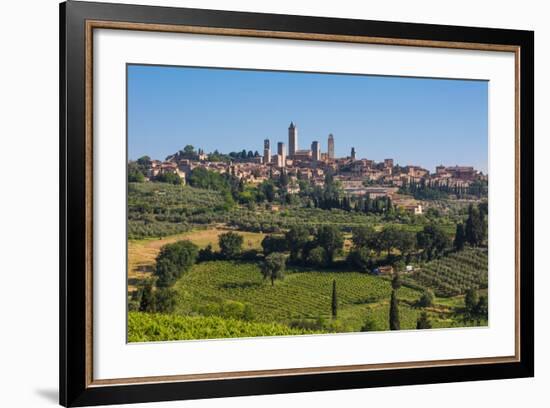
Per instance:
(471,300)
(331,239)
(475,229)
(396,281)
(433,240)
(423,322)
(273,267)
(460,237)
(147,298)
(297,237)
(283,179)
(267,188)
(272,243)
(206,254)
(144,162)
(364,237)
(394,312)
(359,258)
(334,303)
(317,257)
(165,300)
(230,244)
(482,308)
(135,175)
(389,238)
(189,151)
(174,260)
(370,325)
(406,241)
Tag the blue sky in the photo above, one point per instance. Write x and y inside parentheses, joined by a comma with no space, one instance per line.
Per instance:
(412,120)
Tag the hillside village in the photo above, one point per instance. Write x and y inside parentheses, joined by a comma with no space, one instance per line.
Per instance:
(358,177)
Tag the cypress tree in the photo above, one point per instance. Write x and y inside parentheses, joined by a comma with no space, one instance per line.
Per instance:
(334,300)
(475,227)
(394,312)
(460,237)
(396,281)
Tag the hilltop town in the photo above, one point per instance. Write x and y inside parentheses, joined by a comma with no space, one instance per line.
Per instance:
(357,176)
(210,235)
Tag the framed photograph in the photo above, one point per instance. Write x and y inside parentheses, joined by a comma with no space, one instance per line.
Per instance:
(257,204)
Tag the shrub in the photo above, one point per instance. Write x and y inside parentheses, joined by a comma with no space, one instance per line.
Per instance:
(229,309)
(426,299)
(370,325)
(207,254)
(423,322)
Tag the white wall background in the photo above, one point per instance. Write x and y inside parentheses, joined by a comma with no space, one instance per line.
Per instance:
(29,204)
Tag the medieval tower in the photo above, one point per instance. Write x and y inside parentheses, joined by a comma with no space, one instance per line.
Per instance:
(292,140)
(331,147)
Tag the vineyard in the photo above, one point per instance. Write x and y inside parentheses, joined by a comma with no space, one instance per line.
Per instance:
(456,273)
(218,299)
(144,327)
(301,295)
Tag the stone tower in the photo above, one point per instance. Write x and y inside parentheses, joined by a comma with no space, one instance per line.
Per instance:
(281,151)
(267,151)
(292,139)
(331,147)
(316,151)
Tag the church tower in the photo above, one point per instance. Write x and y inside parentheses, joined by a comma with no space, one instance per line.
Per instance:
(292,139)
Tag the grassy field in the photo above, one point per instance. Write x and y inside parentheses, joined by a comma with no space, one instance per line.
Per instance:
(142,253)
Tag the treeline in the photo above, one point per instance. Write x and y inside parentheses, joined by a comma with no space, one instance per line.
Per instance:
(189,152)
(320,247)
(427,244)
(428,190)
